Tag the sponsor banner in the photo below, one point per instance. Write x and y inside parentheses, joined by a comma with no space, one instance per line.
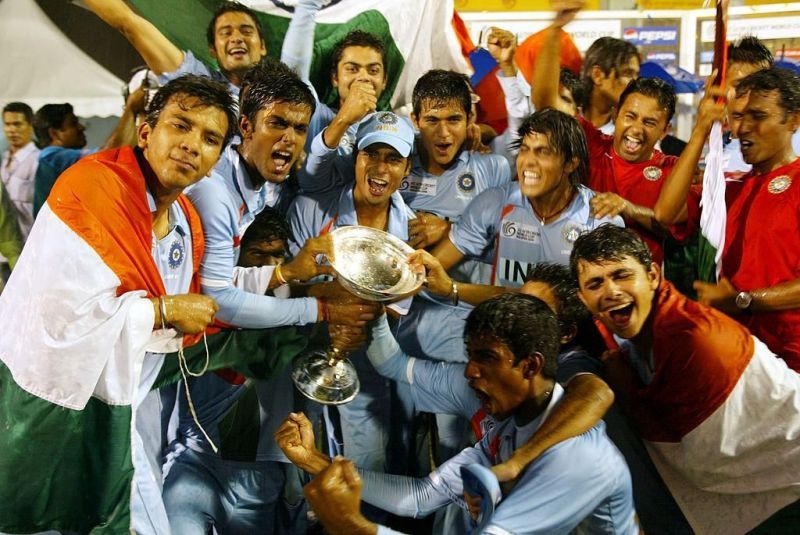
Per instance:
(707,56)
(763,28)
(662,57)
(651,35)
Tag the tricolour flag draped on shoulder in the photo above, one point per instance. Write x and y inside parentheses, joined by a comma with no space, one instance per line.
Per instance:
(418,34)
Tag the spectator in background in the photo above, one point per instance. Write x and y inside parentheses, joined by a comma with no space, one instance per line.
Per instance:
(19,161)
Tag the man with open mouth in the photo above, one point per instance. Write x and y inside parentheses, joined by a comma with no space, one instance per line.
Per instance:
(719,413)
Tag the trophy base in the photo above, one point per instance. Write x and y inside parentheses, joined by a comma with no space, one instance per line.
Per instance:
(318,380)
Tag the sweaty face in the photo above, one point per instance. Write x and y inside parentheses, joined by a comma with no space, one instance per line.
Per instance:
(185,143)
(237,45)
(379,171)
(273,143)
(71,134)
(540,169)
(640,123)
(618,293)
(359,63)
(612,85)
(492,375)
(765,129)
(263,253)
(738,70)
(17,129)
(443,130)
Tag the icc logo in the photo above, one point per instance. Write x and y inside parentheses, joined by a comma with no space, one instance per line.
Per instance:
(509,229)
(403,185)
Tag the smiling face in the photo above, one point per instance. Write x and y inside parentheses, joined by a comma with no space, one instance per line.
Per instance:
(764,129)
(443,130)
(499,384)
(237,45)
(639,124)
(273,142)
(185,143)
(359,63)
(17,129)
(379,171)
(540,169)
(618,293)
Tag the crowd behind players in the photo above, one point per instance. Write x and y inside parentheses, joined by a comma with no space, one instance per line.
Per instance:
(546,324)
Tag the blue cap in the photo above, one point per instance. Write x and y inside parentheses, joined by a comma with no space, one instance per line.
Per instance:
(386,127)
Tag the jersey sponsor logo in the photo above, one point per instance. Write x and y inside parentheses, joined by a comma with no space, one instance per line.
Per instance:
(419,185)
(466,183)
(779,184)
(519,231)
(176,254)
(510,270)
(572,231)
(652,173)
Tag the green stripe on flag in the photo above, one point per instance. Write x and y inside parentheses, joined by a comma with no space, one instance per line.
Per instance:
(185,23)
(62,469)
(706,263)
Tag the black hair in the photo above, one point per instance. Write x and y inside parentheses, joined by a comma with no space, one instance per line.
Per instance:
(272,81)
(19,107)
(654,88)
(440,87)
(575,86)
(232,7)
(608,53)
(566,137)
(204,89)
(785,81)
(47,117)
(525,324)
(358,38)
(571,310)
(751,50)
(609,243)
(268,225)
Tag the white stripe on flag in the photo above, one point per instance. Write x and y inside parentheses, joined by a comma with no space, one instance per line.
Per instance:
(714,215)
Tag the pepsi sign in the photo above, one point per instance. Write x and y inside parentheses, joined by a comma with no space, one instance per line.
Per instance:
(651,35)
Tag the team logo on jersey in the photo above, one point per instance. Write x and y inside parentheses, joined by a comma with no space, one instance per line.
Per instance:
(652,173)
(387,118)
(572,232)
(176,254)
(779,184)
(509,229)
(466,182)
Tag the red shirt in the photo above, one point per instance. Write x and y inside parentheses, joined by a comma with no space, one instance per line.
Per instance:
(639,183)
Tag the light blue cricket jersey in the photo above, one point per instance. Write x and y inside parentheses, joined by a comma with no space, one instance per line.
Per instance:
(227,203)
(192,65)
(501,222)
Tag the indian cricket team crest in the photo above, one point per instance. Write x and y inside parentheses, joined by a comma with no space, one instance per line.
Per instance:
(466,182)
(652,173)
(176,254)
(509,229)
(779,184)
(387,118)
(572,232)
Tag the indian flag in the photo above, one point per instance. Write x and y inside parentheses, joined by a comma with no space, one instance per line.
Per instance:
(713,217)
(419,35)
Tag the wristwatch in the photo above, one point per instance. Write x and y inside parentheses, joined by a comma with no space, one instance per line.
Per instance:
(744,300)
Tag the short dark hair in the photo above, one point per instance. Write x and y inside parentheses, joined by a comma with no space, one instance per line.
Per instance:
(653,88)
(47,117)
(232,7)
(575,86)
(358,38)
(440,87)
(750,49)
(566,138)
(206,90)
(525,324)
(268,225)
(609,243)
(272,81)
(19,107)
(571,310)
(608,53)
(785,81)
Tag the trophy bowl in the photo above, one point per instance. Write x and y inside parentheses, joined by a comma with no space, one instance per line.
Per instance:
(372,264)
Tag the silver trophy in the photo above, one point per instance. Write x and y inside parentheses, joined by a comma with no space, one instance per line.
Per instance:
(371,264)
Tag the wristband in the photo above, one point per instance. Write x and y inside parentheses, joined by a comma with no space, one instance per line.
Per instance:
(279,274)
(162,307)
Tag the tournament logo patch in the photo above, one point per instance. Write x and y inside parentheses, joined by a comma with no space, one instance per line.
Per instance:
(779,184)
(509,228)
(652,173)
(466,182)
(347,142)
(387,118)
(176,254)
(572,232)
